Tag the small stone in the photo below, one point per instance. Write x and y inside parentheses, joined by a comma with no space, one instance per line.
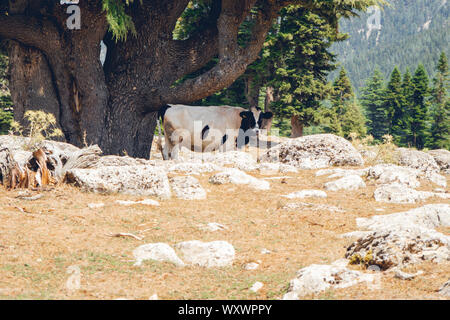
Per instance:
(251,266)
(156,251)
(256,286)
(445,289)
(96,205)
(406,276)
(351,182)
(306,194)
(187,188)
(148,202)
(207,254)
(213,226)
(374,268)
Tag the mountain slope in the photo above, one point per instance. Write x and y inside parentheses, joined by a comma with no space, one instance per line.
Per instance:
(409,32)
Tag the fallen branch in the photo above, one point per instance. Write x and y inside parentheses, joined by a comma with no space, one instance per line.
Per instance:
(123,234)
(31,198)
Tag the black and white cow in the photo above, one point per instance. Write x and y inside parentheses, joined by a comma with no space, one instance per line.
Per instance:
(208,128)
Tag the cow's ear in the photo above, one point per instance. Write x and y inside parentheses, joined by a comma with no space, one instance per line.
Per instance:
(244,114)
(267,115)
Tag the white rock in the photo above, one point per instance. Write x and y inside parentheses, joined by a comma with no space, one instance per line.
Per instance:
(237,159)
(149,202)
(194,168)
(236,176)
(213,226)
(442,158)
(267,168)
(445,289)
(154,297)
(187,188)
(311,206)
(403,238)
(207,254)
(430,216)
(339,173)
(306,194)
(399,193)
(345,173)
(437,178)
(251,266)
(257,286)
(406,276)
(135,180)
(156,251)
(417,160)
(96,205)
(265,251)
(314,152)
(400,246)
(317,278)
(355,234)
(388,173)
(351,182)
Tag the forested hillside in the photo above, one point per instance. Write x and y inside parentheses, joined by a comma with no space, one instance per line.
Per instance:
(412,32)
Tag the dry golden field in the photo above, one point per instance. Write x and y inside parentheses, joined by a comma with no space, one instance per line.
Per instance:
(41,239)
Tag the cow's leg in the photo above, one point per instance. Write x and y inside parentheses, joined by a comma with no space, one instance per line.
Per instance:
(174,152)
(167,147)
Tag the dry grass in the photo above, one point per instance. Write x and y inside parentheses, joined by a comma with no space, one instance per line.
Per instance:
(40,239)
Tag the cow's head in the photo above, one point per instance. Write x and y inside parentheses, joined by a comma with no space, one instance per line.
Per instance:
(252,120)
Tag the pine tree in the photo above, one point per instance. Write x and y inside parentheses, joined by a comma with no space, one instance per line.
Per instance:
(373,103)
(346,115)
(419,117)
(298,60)
(394,104)
(342,88)
(440,130)
(406,137)
(353,120)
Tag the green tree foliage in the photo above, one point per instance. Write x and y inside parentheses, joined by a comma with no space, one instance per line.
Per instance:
(298,54)
(295,61)
(440,130)
(372,99)
(120,23)
(345,115)
(420,105)
(395,105)
(342,88)
(353,119)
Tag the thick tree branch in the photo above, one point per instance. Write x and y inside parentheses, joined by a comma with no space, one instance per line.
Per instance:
(193,53)
(233,60)
(41,34)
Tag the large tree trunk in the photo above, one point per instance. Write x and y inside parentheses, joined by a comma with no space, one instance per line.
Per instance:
(296,127)
(31,82)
